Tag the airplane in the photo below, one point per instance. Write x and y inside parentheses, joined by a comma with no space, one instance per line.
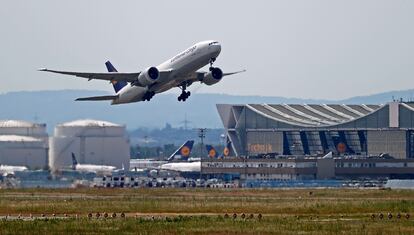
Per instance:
(179,71)
(188,166)
(90,167)
(6,169)
(181,154)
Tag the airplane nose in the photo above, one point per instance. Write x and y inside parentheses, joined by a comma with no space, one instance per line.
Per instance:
(218,48)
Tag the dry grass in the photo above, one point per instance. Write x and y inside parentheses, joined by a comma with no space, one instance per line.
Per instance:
(292,211)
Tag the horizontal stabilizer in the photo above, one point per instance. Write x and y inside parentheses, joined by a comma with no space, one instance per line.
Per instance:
(98,98)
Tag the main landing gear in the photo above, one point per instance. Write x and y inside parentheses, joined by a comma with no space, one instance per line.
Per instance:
(148,96)
(184,94)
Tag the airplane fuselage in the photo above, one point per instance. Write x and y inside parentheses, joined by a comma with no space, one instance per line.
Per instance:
(184,63)
(94,168)
(182,166)
(11,169)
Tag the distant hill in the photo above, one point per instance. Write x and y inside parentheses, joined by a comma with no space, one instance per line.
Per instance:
(52,107)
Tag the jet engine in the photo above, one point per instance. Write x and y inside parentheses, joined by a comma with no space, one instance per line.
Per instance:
(148,76)
(153,173)
(213,77)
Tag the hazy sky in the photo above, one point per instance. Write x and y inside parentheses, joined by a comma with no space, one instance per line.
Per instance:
(307,49)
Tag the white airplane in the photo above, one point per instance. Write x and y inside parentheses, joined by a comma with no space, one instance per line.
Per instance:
(5,169)
(182,166)
(183,153)
(98,169)
(179,71)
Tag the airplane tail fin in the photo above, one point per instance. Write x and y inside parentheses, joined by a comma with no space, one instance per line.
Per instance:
(226,150)
(212,153)
(118,85)
(184,151)
(74,161)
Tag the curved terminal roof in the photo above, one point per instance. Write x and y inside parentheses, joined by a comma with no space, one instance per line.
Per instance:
(89,123)
(15,123)
(18,138)
(313,115)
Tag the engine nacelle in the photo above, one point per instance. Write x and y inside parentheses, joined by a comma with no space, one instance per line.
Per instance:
(148,76)
(213,77)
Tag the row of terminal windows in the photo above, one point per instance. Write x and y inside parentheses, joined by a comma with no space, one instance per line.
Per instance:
(355,165)
(368,165)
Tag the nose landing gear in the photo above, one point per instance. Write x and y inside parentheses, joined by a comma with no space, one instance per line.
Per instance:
(212,60)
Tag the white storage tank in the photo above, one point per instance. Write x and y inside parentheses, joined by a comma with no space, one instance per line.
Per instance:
(23,143)
(23,128)
(16,150)
(92,142)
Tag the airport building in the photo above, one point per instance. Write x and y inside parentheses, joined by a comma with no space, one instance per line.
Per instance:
(307,168)
(23,143)
(92,142)
(316,129)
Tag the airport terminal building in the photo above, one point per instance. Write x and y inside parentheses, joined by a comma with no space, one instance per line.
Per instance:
(315,129)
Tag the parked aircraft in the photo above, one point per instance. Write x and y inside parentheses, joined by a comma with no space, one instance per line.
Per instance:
(179,162)
(7,170)
(98,169)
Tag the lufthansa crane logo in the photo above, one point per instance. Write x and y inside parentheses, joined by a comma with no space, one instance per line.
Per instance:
(212,153)
(226,151)
(185,151)
(341,147)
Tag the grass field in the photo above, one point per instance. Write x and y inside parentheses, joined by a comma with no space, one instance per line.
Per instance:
(202,211)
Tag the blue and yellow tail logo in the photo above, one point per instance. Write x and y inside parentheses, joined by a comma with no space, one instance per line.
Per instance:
(185,151)
(226,152)
(212,153)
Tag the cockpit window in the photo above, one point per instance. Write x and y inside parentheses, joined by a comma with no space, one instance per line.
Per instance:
(212,43)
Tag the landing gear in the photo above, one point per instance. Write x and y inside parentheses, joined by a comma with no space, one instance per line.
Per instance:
(184,94)
(148,96)
(212,60)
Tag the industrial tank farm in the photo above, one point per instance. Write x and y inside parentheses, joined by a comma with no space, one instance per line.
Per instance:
(23,143)
(92,142)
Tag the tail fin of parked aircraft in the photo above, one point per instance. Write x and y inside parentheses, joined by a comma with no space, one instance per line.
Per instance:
(184,151)
(212,153)
(118,85)
(74,161)
(226,150)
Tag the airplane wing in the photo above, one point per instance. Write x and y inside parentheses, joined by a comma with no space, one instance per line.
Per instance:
(227,74)
(198,76)
(110,76)
(97,98)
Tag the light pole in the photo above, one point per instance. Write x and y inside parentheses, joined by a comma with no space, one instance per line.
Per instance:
(202,135)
